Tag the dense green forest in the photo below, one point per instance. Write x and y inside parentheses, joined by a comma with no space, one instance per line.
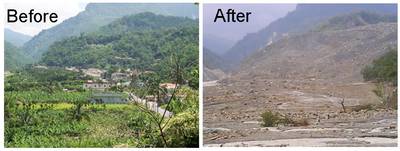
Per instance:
(383,69)
(97,15)
(48,80)
(141,41)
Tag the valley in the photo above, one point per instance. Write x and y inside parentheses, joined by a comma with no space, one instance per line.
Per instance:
(329,84)
(232,114)
(129,80)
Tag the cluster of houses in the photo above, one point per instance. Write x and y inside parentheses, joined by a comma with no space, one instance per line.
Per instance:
(102,83)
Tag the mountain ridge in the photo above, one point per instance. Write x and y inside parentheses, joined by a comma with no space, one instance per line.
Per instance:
(14,57)
(16,38)
(304,18)
(333,55)
(123,44)
(96,15)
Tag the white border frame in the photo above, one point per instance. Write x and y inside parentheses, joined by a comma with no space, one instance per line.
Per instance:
(201,2)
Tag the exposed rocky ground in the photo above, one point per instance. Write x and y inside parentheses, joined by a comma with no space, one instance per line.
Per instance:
(306,77)
(335,55)
(232,112)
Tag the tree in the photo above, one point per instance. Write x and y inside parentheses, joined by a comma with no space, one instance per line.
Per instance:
(383,71)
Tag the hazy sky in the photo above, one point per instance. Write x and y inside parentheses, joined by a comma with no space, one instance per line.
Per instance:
(64,11)
(262,15)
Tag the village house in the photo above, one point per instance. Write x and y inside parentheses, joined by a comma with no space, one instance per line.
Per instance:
(73,69)
(96,85)
(93,72)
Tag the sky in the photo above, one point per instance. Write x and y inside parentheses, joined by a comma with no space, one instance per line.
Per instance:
(64,11)
(262,15)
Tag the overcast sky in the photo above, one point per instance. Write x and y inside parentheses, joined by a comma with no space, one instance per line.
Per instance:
(262,15)
(64,11)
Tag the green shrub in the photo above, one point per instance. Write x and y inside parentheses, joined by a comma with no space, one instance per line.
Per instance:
(383,69)
(269,119)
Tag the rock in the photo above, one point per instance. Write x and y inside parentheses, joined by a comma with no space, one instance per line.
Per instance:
(377,130)
(215,130)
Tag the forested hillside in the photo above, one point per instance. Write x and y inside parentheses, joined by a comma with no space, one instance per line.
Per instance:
(134,41)
(97,15)
(130,83)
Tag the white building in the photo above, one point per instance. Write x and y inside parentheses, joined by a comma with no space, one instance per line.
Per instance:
(96,85)
(93,72)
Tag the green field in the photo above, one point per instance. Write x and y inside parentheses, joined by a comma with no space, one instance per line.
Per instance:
(48,105)
(108,125)
(65,119)
(113,126)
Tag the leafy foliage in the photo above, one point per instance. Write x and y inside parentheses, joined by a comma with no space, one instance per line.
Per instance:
(107,127)
(184,126)
(270,119)
(383,69)
(47,107)
(50,80)
(97,15)
(138,41)
(353,19)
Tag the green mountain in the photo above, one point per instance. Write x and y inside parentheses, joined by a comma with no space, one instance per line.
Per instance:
(136,41)
(14,57)
(145,21)
(97,15)
(15,38)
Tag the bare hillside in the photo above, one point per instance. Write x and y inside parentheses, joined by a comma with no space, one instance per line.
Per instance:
(330,55)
